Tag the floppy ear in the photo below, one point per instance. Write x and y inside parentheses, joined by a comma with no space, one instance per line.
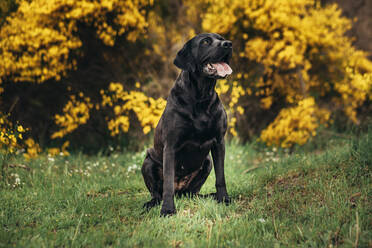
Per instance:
(184,59)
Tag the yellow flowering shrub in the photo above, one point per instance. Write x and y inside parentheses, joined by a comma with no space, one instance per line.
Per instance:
(119,103)
(295,125)
(147,109)
(32,149)
(286,52)
(41,41)
(10,135)
(76,113)
(69,42)
(11,140)
(354,90)
(231,94)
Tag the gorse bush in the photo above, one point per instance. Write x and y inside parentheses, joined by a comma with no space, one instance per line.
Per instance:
(76,112)
(295,125)
(10,134)
(147,109)
(70,70)
(56,44)
(41,40)
(116,100)
(11,137)
(12,141)
(290,51)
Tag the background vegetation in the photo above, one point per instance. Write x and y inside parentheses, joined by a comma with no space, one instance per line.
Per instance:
(95,73)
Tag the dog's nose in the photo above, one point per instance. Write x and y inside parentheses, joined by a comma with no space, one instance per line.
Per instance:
(226,44)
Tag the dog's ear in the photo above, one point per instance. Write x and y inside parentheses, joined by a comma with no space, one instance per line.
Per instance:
(184,59)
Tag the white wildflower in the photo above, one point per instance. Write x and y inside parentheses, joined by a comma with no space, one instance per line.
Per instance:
(262,220)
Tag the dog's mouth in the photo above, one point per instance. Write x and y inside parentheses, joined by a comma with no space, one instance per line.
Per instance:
(218,68)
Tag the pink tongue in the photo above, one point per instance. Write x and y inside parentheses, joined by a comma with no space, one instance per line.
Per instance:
(222,68)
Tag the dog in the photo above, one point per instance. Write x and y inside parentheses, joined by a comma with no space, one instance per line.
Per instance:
(192,125)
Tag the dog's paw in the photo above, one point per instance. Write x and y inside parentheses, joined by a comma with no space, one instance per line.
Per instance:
(223,199)
(150,204)
(168,208)
(164,212)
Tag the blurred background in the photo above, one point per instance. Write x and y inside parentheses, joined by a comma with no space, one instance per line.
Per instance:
(94,75)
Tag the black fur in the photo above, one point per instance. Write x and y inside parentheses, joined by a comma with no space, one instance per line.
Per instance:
(194,123)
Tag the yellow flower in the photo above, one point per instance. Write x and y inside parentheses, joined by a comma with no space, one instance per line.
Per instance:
(240,110)
(53,151)
(266,102)
(20,129)
(76,113)
(32,149)
(146,129)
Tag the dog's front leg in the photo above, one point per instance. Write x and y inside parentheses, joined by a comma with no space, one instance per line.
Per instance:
(218,154)
(169,163)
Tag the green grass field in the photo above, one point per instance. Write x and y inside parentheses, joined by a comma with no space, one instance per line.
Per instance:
(317,198)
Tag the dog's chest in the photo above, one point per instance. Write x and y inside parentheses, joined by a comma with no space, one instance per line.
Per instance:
(203,125)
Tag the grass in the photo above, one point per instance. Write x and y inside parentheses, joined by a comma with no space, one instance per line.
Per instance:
(303,199)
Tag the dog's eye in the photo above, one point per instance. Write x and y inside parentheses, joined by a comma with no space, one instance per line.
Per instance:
(205,42)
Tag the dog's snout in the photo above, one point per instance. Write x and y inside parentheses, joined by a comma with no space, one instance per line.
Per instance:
(226,44)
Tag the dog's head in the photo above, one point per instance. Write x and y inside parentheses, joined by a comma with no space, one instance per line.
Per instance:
(208,54)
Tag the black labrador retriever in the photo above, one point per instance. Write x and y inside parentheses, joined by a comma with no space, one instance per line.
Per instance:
(193,123)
